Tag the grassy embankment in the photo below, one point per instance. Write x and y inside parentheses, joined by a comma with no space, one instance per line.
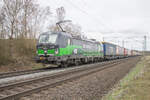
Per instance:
(17,52)
(135,85)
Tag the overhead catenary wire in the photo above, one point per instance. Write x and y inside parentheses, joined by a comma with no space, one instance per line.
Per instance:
(99,17)
(89,15)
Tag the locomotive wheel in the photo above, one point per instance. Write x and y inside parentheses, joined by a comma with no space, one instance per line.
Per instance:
(77,63)
(64,64)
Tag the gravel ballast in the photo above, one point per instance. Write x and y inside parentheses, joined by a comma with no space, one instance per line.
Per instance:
(91,87)
(14,79)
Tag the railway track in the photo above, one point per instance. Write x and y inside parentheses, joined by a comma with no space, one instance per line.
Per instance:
(16,90)
(18,73)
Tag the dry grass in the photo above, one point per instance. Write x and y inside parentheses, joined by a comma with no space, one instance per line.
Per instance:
(22,51)
(4,52)
(135,86)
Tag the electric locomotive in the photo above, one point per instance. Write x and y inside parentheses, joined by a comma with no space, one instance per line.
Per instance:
(62,49)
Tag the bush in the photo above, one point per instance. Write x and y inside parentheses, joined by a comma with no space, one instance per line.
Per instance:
(21,48)
(4,52)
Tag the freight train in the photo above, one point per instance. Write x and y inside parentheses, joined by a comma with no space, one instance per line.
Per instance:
(64,49)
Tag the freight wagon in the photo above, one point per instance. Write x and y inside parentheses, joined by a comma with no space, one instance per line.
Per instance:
(119,51)
(129,53)
(125,52)
(109,50)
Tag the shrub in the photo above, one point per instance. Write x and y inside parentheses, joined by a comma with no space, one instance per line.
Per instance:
(21,48)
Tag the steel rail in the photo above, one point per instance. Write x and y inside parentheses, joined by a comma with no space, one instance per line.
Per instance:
(18,73)
(53,80)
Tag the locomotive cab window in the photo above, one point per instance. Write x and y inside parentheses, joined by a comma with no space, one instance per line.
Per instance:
(48,38)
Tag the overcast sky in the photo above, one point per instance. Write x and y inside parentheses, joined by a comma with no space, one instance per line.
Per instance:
(115,20)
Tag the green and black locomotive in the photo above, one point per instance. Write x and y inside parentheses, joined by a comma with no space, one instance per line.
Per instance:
(62,48)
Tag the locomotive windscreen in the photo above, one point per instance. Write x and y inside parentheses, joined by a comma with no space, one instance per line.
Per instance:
(48,38)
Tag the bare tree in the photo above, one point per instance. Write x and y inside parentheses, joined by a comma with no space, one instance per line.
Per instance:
(11,11)
(2,30)
(37,20)
(60,13)
(32,18)
(69,27)
(22,19)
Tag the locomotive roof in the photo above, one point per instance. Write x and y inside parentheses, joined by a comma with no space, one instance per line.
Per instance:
(62,33)
(71,36)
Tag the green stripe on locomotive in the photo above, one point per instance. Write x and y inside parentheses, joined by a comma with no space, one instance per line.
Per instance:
(61,51)
(69,50)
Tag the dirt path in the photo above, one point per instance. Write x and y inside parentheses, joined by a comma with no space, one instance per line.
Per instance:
(91,87)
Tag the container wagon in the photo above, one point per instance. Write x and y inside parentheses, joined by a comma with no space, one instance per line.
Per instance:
(109,50)
(119,51)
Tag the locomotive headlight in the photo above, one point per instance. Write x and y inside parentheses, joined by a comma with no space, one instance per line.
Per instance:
(45,51)
(56,51)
